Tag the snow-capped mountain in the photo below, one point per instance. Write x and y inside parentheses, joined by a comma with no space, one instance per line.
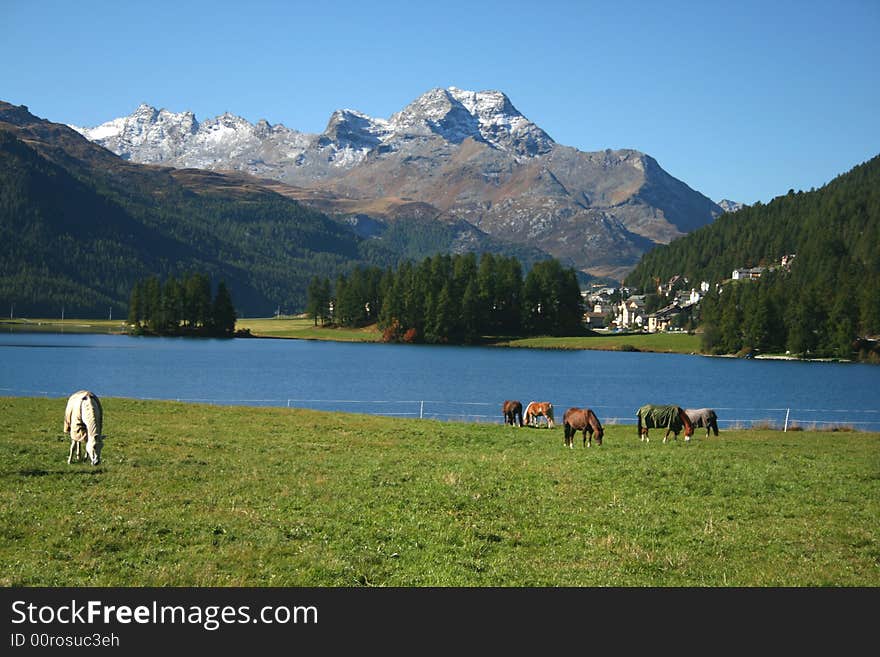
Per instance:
(156,136)
(730,206)
(467,155)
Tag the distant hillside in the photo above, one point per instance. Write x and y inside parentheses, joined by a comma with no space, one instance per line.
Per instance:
(830,296)
(468,158)
(79,225)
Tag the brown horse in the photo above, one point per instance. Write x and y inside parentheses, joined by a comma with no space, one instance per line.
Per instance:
(534,409)
(512,412)
(582,419)
(672,417)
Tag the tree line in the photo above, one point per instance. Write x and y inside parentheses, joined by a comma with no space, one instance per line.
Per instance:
(184,307)
(454,299)
(826,305)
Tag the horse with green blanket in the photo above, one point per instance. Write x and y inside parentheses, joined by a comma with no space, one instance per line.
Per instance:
(674,418)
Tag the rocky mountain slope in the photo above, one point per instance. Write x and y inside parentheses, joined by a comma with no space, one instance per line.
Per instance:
(451,155)
(79,225)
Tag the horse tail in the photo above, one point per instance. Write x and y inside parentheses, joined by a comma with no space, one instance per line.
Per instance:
(639,415)
(714,420)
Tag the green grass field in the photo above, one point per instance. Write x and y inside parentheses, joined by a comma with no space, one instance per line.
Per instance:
(198,495)
(305,329)
(680,343)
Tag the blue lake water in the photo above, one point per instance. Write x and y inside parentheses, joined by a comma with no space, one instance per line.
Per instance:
(461,383)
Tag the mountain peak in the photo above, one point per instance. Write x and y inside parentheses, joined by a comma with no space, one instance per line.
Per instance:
(730,206)
(487,116)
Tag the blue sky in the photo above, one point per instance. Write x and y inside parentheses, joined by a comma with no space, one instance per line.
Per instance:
(740,100)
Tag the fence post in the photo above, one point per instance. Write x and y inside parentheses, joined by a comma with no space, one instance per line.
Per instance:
(421,409)
(785,428)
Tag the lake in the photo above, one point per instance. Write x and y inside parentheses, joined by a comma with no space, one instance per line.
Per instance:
(459,383)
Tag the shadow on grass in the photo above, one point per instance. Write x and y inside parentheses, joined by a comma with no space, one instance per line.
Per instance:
(39,472)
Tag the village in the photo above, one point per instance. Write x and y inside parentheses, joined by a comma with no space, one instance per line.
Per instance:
(670,309)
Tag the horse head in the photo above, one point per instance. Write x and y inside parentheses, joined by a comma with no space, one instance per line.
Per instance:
(686,421)
(94,445)
(599,432)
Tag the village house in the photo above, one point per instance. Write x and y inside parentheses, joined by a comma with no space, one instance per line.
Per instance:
(594,320)
(748,274)
(631,313)
(662,319)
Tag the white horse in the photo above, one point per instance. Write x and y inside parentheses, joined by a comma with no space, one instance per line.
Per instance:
(84,419)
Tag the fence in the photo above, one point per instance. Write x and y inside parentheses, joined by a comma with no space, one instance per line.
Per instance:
(781,418)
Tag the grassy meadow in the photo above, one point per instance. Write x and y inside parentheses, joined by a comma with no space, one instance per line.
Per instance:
(679,343)
(305,329)
(199,495)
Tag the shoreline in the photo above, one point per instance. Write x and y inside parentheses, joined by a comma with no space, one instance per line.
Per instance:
(618,342)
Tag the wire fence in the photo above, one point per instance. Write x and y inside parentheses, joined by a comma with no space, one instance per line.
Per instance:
(780,418)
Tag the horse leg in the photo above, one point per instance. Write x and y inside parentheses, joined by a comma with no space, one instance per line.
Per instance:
(70,455)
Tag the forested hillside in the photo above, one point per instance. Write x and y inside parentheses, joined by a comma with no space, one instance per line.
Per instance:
(79,226)
(828,298)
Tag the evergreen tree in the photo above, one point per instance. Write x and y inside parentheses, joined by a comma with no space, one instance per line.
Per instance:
(136,305)
(440,325)
(223,311)
(314,299)
(172,304)
(471,321)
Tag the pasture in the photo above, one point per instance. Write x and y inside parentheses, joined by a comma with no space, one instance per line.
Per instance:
(305,329)
(199,495)
(678,343)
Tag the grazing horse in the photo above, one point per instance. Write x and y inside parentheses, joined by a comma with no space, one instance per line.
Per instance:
(512,411)
(703,417)
(672,417)
(84,419)
(534,409)
(582,419)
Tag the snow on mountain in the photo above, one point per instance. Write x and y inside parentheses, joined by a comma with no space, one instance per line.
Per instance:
(730,206)
(156,136)
(468,155)
(486,116)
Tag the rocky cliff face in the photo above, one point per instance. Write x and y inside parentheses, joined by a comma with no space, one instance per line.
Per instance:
(470,156)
